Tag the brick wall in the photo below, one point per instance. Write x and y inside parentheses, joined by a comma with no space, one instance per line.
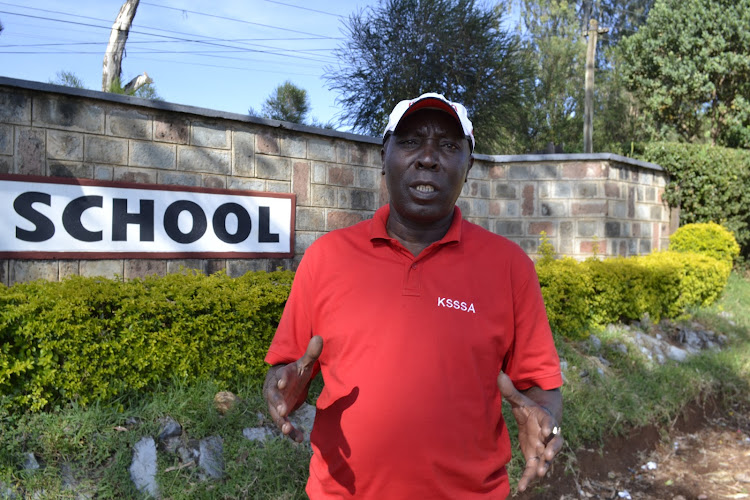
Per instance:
(581,201)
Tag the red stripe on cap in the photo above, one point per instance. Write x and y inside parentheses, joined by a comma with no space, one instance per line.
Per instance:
(431,103)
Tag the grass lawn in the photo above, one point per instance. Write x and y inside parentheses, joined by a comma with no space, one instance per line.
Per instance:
(89,450)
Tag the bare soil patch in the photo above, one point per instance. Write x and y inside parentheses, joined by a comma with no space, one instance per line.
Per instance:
(704,454)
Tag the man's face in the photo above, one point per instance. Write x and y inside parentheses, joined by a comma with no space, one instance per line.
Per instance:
(426,161)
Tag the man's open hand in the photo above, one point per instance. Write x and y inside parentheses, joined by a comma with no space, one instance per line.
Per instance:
(538,431)
(286,387)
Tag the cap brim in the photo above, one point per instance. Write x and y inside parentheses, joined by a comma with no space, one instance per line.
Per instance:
(431,103)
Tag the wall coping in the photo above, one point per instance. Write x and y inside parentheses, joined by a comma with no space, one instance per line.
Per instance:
(212,113)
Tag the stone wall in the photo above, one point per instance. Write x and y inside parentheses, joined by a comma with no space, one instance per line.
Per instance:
(581,201)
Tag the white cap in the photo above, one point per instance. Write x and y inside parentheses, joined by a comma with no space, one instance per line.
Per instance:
(431,100)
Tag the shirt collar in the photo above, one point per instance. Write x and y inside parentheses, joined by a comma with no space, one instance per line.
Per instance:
(380,219)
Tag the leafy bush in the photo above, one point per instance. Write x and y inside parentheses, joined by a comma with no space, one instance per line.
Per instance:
(86,339)
(707,238)
(580,295)
(708,184)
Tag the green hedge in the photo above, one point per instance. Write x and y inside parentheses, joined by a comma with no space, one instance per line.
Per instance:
(87,339)
(707,183)
(579,295)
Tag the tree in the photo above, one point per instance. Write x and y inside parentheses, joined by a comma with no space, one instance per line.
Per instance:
(403,48)
(689,67)
(287,103)
(68,79)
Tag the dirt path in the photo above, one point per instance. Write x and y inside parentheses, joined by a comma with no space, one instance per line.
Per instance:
(705,455)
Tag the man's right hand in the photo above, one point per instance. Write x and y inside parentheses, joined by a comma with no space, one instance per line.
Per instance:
(286,387)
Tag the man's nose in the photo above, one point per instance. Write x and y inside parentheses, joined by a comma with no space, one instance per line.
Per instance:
(428,154)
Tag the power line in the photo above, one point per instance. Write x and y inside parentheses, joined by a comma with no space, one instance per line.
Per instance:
(305,8)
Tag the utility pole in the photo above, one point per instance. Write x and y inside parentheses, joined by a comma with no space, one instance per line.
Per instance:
(588,105)
(112,67)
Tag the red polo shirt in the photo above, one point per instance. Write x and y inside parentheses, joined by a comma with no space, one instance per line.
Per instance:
(412,350)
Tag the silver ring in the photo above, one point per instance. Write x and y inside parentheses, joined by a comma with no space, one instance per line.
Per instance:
(556,430)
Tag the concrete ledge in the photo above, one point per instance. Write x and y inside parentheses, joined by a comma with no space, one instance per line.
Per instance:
(537,158)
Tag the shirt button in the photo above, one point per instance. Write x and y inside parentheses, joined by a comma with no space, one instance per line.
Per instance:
(413,266)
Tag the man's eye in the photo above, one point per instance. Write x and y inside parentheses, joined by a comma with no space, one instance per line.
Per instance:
(450,145)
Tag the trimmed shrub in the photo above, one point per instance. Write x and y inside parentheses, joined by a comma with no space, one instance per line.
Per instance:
(707,238)
(87,339)
(567,291)
(708,184)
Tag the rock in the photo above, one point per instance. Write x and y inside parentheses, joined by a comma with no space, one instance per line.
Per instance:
(189,452)
(211,459)
(676,354)
(261,434)
(169,428)
(620,347)
(132,421)
(303,419)
(596,344)
(30,462)
(224,401)
(170,444)
(742,477)
(143,468)
(563,365)
(7,493)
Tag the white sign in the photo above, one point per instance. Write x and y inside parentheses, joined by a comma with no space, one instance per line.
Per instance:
(47,218)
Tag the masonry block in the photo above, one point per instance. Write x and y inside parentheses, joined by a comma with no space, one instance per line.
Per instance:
(310,219)
(496,208)
(59,168)
(617,209)
(136,175)
(302,240)
(477,189)
(650,194)
(644,247)
(565,246)
(267,142)
(22,271)
(320,171)
(498,172)
(553,209)
(172,129)
(359,154)
(279,186)
(587,228)
(210,135)
(176,266)
(4,272)
(537,227)
(273,167)
(506,191)
(508,228)
(194,159)
(237,268)
(214,266)
(100,149)
(562,190)
(154,155)
(341,175)
(532,172)
(529,245)
(585,170)
(6,139)
(15,107)
(566,229)
(179,179)
(130,124)
(586,190)
(321,149)
(103,268)
(589,208)
(301,181)
(293,146)
(656,212)
(103,173)
(337,219)
(66,112)
(30,151)
(480,207)
(6,164)
(142,268)
(368,178)
(246,184)
(528,200)
(67,268)
(465,206)
(612,229)
(214,181)
(642,212)
(243,153)
(64,145)
(357,199)
(611,190)
(512,208)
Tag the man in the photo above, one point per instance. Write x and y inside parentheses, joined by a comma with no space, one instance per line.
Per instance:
(419,322)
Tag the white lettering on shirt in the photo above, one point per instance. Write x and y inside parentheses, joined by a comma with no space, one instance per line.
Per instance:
(456,304)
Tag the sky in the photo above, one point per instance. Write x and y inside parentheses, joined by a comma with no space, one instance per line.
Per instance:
(226,55)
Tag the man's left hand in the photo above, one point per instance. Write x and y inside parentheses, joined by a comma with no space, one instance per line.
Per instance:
(538,429)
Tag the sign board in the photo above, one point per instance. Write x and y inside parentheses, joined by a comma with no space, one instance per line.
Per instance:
(61,218)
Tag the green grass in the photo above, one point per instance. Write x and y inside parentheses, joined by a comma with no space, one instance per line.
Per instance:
(92,443)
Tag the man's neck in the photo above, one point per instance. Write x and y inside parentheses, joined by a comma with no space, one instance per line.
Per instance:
(413,236)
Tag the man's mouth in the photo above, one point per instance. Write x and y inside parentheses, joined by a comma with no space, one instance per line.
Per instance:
(424,188)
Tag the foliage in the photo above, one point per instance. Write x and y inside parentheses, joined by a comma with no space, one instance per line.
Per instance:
(581,295)
(557,52)
(689,66)
(708,184)
(287,103)
(707,238)
(147,91)
(86,339)
(403,48)
(68,79)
